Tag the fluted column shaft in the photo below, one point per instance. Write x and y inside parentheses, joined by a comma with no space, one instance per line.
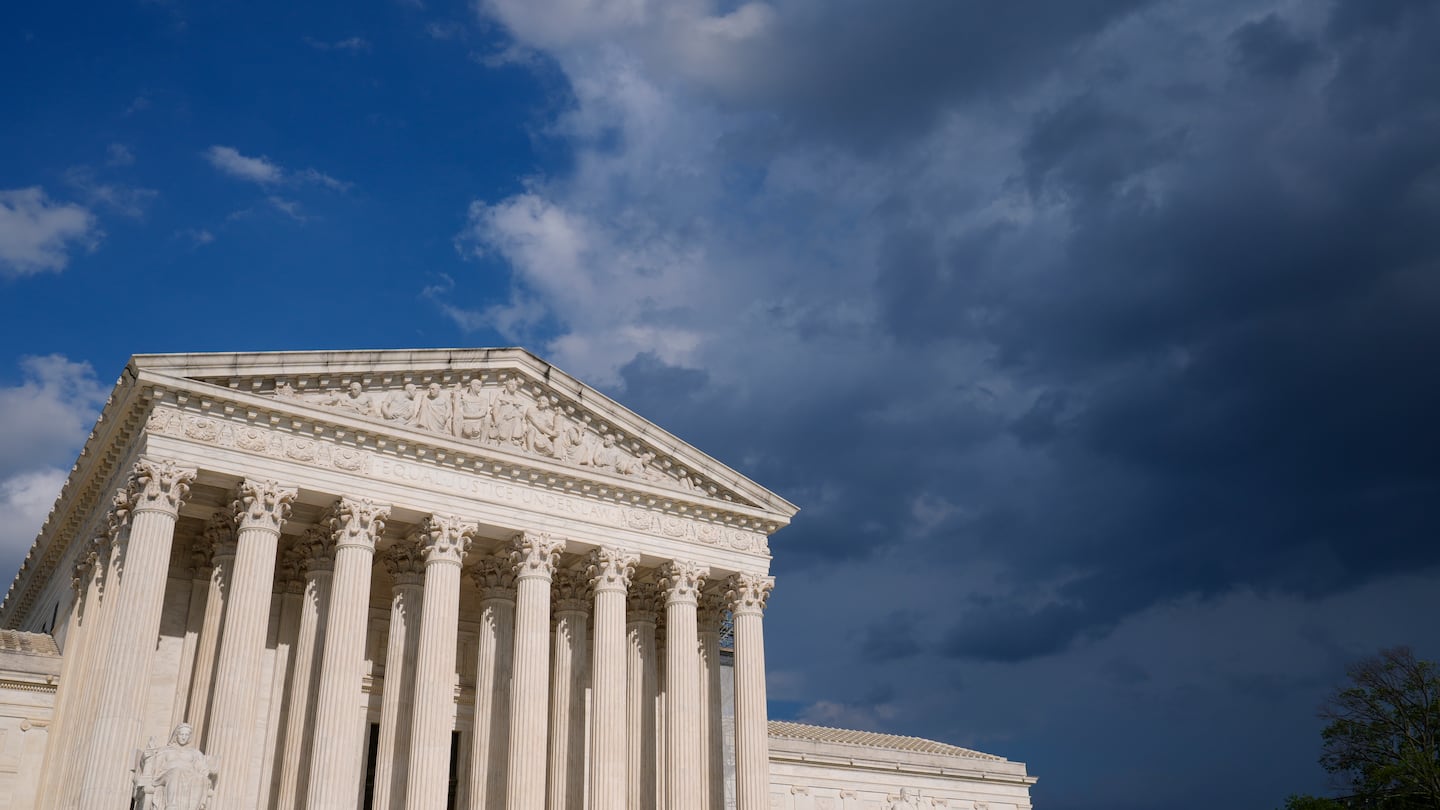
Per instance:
(566,781)
(338,739)
(407,573)
(291,587)
(748,594)
(444,542)
(712,733)
(77,749)
(490,736)
(535,556)
(260,509)
(220,536)
(610,572)
(305,676)
(157,489)
(79,637)
(640,691)
(685,777)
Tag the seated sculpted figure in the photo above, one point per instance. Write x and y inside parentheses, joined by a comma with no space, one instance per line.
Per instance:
(176,777)
(474,410)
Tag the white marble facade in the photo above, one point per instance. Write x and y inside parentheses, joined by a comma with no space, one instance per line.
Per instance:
(398,579)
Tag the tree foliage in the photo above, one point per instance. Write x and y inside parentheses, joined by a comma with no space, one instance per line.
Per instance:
(1383,734)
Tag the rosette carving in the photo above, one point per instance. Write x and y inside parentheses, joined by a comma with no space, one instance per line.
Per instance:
(494,576)
(357,522)
(159,486)
(611,569)
(262,505)
(535,554)
(748,593)
(444,538)
(681,580)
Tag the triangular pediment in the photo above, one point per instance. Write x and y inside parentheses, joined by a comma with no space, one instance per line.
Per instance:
(506,402)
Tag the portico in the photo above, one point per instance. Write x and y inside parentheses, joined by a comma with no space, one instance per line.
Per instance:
(402,579)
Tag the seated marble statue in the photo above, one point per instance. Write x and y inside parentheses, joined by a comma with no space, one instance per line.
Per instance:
(176,777)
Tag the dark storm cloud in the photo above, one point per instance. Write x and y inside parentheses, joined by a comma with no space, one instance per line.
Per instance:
(1251,337)
(1226,306)
(1271,47)
(860,73)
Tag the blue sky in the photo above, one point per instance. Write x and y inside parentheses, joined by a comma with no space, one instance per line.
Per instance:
(1094,338)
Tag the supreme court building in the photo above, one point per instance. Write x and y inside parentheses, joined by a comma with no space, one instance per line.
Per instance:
(414,579)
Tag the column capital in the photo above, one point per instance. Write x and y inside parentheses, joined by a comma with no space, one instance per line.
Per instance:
(494,575)
(357,522)
(119,515)
(84,569)
(681,581)
(444,539)
(535,554)
(640,602)
(711,613)
(748,593)
(157,485)
(568,590)
(611,569)
(218,536)
(290,567)
(405,563)
(262,504)
(318,544)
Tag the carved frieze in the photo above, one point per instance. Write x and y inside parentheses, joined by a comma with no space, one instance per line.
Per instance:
(327,454)
(507,412)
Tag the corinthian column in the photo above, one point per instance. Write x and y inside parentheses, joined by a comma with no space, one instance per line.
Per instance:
(444,542)
(685,781)
(319,554)
(219,536)
(747,594)
(534,555)
(712,733)
(79,636)
(494,664)
(610,572)
(640,690)
(260,510)
(338,737)
(406,565)
(156,490)
(71,771)
(566,781)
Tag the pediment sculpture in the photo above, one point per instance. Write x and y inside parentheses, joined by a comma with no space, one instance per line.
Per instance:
(174,777)
(512,415)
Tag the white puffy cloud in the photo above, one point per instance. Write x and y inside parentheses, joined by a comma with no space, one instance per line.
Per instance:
(47,418)
(26,499)
(254,169)
(38,234)
(48,414)
(271,176)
